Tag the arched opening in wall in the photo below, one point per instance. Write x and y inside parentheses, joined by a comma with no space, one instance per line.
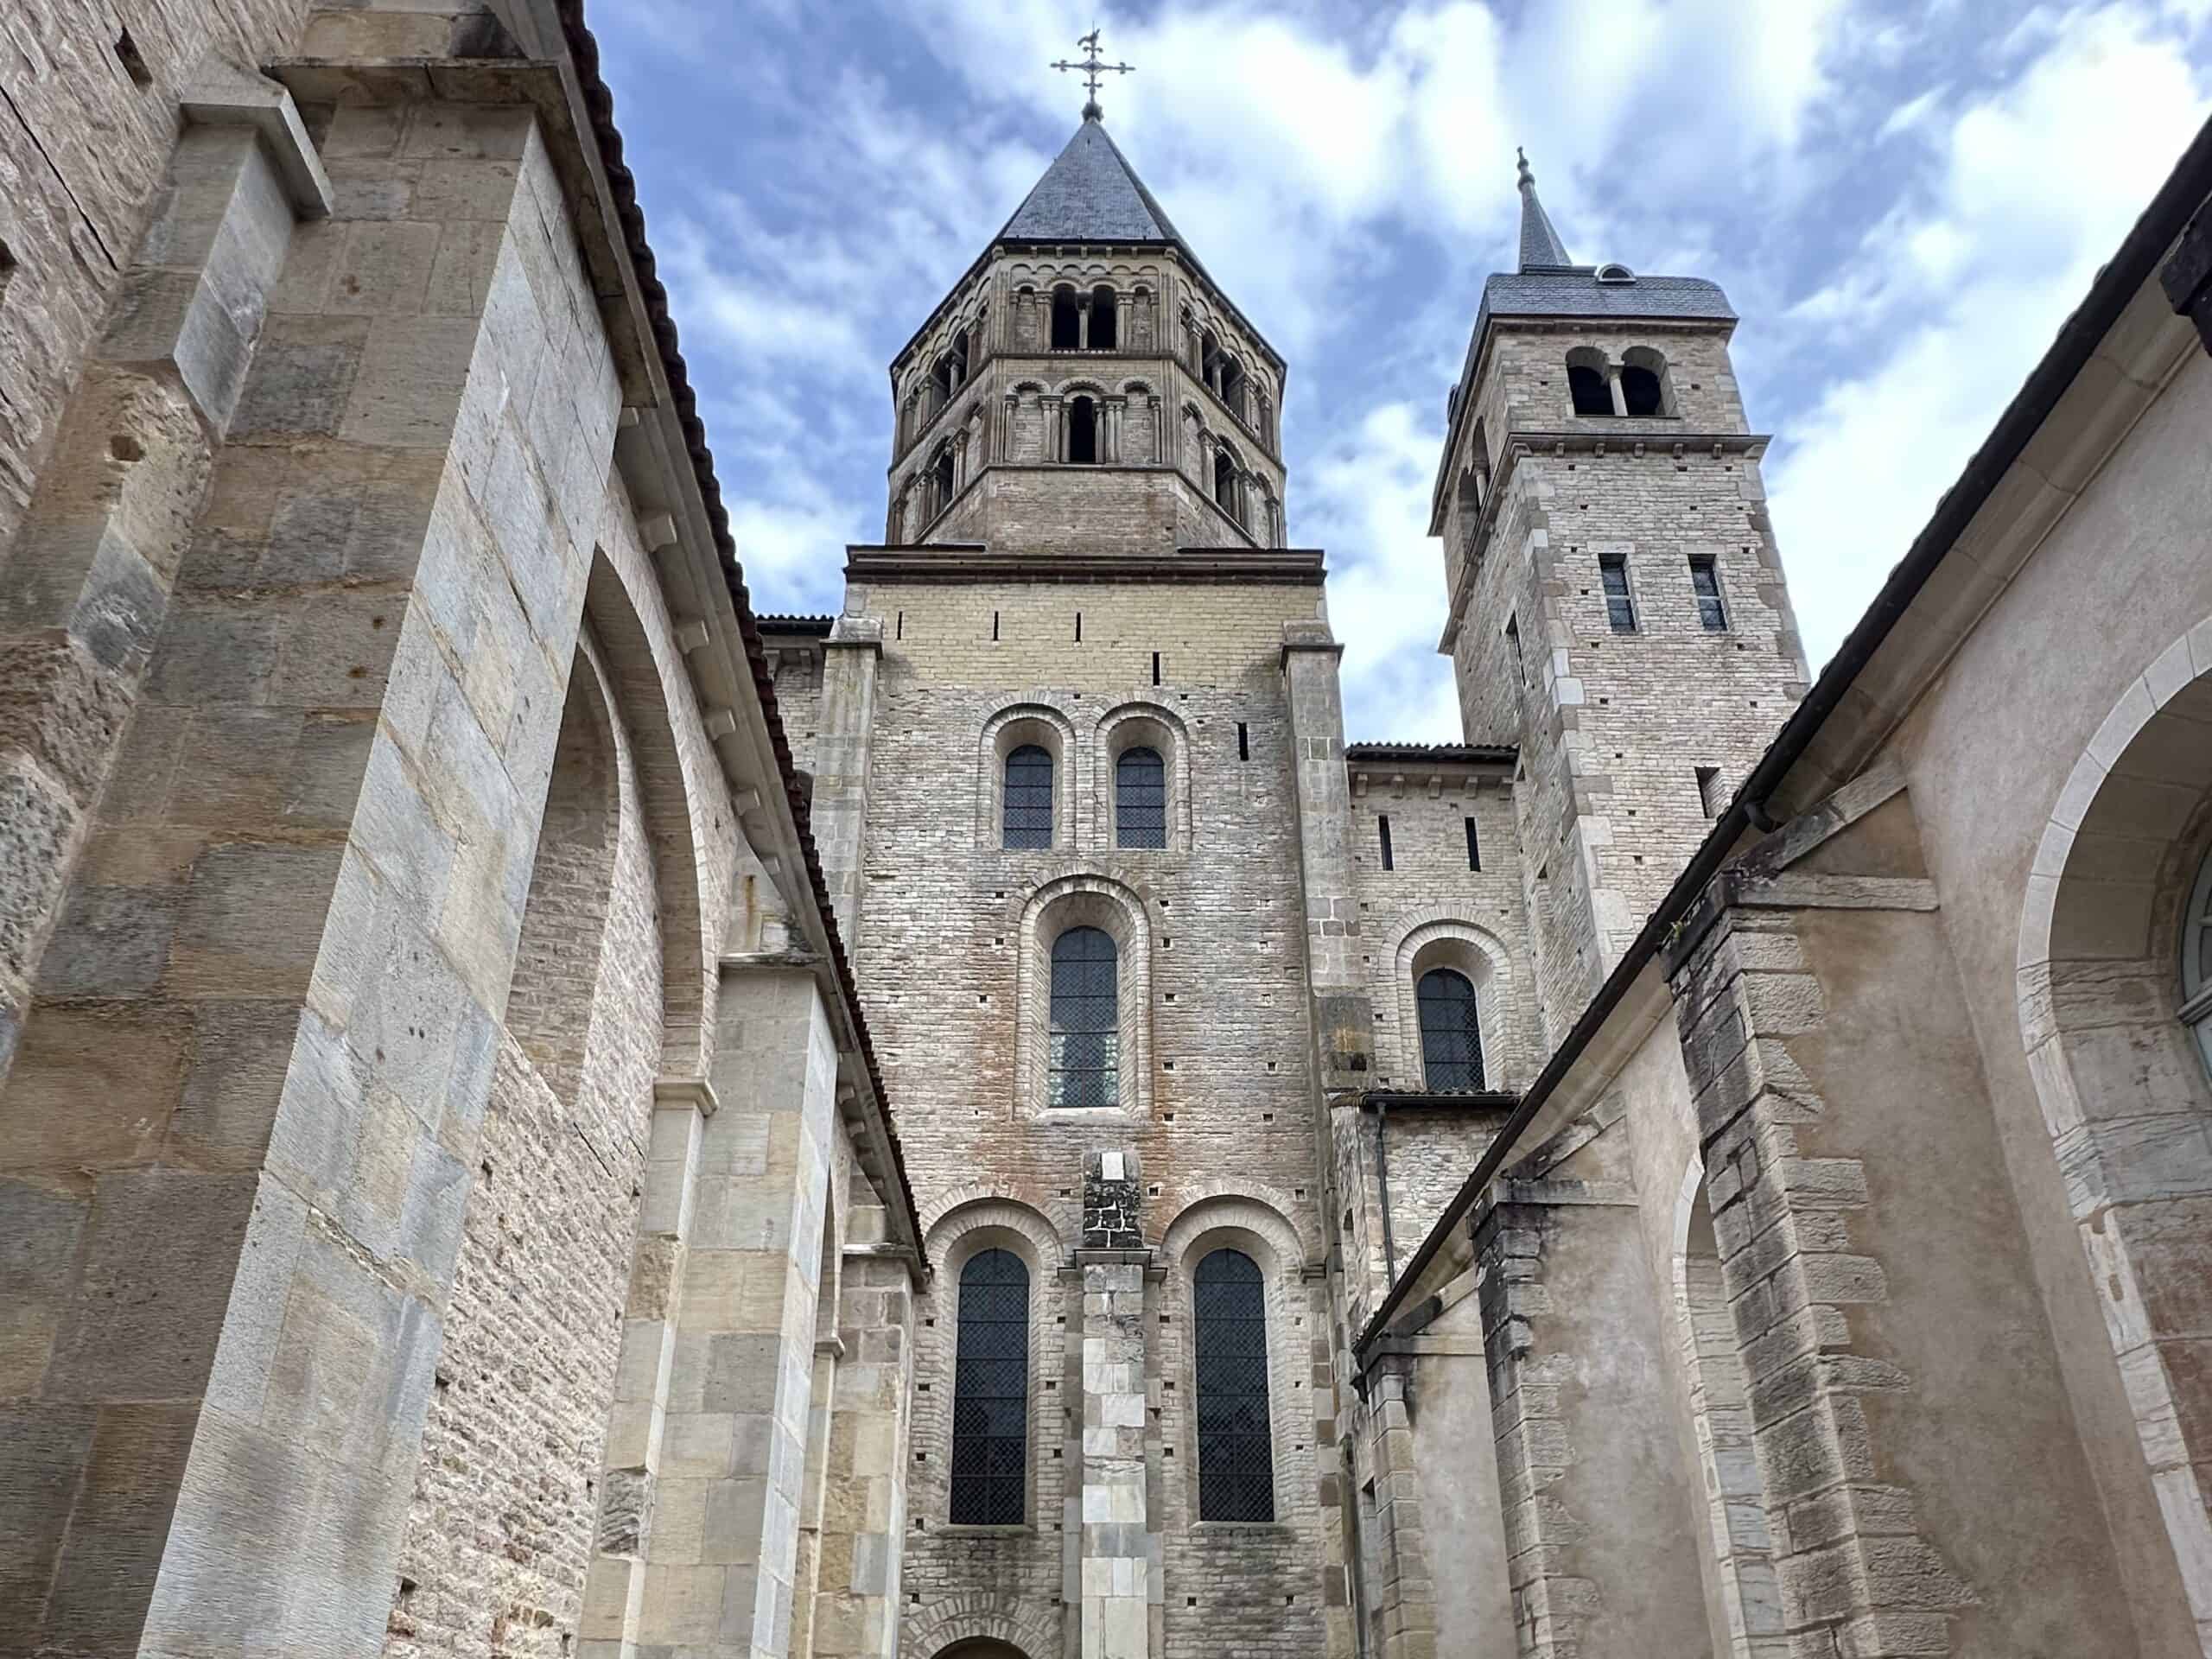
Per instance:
(1083,996)
(1084,1066)
(1237,1479)
(1738,1560)
(1067,321)
(1140,799)
(1028,809)
(1103,320)
(1232,383)
(990,1393)
(564,917)
(960,359)
(1643,383)
(1455,1009)
(1209,360)
(941,482)
(941,382)
(2112,1000)
(1083,432)
(1451,1032)
(983,1648)
(1224,481)
(1586,383)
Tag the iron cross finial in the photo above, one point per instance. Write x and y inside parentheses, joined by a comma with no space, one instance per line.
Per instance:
(1093,66)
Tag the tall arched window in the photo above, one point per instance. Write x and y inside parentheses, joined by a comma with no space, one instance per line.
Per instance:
(990,1393)
(1140,799)
(1027,816)
(1236,1476)
(1232,383)
(1104,318)
(1083,432)
(1450,1041)
(2197,961)
(1067,320)
(1224,481)
(941,478)
(1083,1068)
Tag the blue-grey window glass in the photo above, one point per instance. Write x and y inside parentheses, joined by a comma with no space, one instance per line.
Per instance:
(2197,961)
(1085,1059)
(1028,798)
(990,1392)
(1140,799)
(1620,608)
(1236,1479)
(1705,582)
(1451,1038)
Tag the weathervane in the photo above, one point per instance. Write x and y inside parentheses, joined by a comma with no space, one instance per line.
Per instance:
(1092,67)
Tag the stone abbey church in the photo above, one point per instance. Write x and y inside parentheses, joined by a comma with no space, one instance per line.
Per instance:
(544,1113)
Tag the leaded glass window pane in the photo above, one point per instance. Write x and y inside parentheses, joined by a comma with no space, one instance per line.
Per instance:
(1086,1027)
(1705,582)
(1237,1479)
(2196,961)
(1620,606)
(1451,1037)
(990,1393)
(1029,798)
(1140,799)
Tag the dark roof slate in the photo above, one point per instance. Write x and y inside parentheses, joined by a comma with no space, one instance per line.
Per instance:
(1491,753)
(1090,193)
(1576,292)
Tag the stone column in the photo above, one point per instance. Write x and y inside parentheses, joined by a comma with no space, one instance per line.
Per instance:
(1056,426)
(262,1055)
(1613,389)
(1119,1581)
(722,1554)
(1124,315)
(1115,408)
(86,586)
(844,726)
(1158,432)
(864,1508)
(1005,448)
(807,1573)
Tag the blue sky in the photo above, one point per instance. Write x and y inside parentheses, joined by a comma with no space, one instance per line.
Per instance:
(1902,198)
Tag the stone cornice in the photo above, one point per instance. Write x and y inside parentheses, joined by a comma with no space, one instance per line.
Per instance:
(973,561)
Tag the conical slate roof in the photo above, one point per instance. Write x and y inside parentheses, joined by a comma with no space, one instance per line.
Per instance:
(1091,193)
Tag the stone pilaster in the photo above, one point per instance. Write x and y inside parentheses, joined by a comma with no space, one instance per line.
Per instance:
(845,724)
(857,1600)
(1404,1596)
(1343,1019)
(1117,1569)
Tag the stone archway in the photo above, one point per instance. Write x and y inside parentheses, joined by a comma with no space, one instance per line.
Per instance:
(2124,1093)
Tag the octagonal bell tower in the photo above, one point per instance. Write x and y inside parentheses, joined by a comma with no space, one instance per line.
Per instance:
(1086,390)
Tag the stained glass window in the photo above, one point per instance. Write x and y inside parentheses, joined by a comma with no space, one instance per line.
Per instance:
(1451,1038)
(1140,799)
(1029,798)
(1237,1479)
(990,1393)
(1085,1061)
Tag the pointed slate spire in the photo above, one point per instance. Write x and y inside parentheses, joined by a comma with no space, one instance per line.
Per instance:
(1541,248)
(1090,193)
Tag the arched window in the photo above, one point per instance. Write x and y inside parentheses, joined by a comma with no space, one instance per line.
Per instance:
(1450,1041)
(1586,385)
(1224,481)
(960,359)
(941,476)
(1028,811)
(1236,1476)
(1067,321)
(1140,799)
(1083,1068)
(2197,961)
(941,383)
(1232,383)
(1083,432)
(990,1393)
(1102,318)
(1640,391)
(1209,360)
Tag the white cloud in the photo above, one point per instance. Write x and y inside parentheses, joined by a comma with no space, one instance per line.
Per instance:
(1950,300)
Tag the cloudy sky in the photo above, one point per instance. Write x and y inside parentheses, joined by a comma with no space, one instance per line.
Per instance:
(1902,198)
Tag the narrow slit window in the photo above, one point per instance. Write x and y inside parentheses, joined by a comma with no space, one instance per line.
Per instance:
(990,1393)
(1028,813)
(995,624)
(1156,668)
(1140,799)
(1710,794)
(1474,847)
(1084,1063)
(1382,829)
(1704,583)
(1620,605)
(1451,1033)
(1513,640)
(1243,742)
(1236,1479)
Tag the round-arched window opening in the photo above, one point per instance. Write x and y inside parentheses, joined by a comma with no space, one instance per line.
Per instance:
(1451,1032)
(1102,318)
(1615,273)
(1084,1066)
(1140,799)
(1236,1450)
(1640,390)
(1586,387)
(1028,803)
(1082,433)
(2196,961)
(1067,321)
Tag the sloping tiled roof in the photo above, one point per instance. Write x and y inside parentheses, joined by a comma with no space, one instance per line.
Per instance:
(1090,193)
(1478,753)
(1576,292)
(1541,247)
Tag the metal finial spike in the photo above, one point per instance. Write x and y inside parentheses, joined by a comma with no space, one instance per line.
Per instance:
(1528,173)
